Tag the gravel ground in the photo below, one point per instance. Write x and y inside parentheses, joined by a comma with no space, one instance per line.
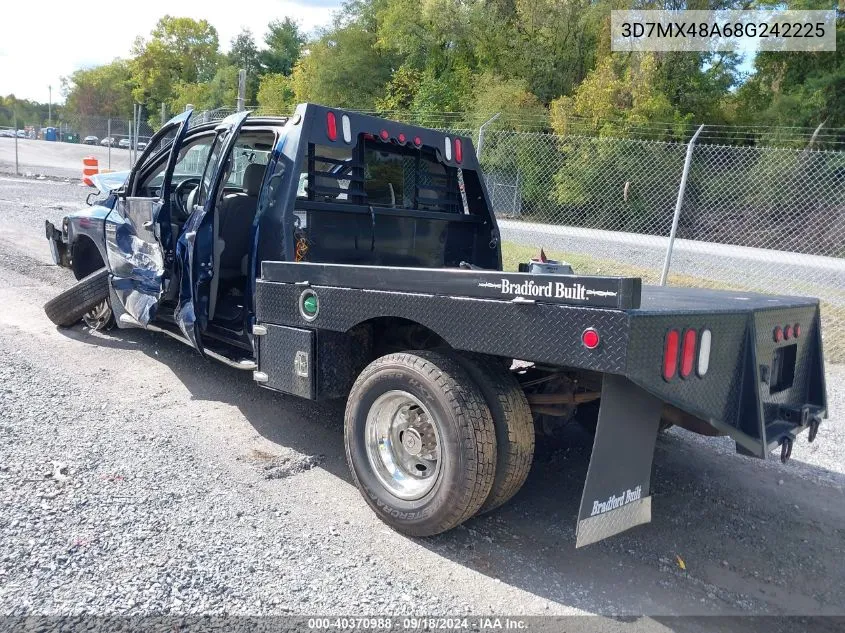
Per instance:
(136,478)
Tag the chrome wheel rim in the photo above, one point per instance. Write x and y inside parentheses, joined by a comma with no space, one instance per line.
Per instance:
(403,446)
(99,316)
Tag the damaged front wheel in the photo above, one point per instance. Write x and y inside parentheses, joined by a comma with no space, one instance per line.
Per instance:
(100,317)
(80,300)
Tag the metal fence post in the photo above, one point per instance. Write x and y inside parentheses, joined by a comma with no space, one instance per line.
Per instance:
(241,89)
(15,117)
(108,136)
(481,131)
(681,189)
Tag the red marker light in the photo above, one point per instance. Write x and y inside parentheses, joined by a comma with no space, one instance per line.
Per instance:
(777,334)
(384,135)
(417,141)
(331,126)
(459,153)
(787,332)
(401,137)
(688,353)
(670,354)
(796,329)
(590,338)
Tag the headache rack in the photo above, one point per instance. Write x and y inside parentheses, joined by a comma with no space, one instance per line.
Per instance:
(350,179)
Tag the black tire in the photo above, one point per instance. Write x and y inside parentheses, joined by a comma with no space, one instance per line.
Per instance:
(466,440)
(512,421)
(67,308)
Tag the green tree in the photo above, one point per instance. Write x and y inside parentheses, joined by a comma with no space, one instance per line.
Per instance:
(221,91)
(179,51)
(797,88)
(27,112)
(100,91)
(343,68)
(284,43)
(618,94)
(275,94)
(243,54)
(519,108)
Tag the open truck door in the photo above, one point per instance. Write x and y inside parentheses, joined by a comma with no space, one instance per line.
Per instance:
(139,240)
(200,244)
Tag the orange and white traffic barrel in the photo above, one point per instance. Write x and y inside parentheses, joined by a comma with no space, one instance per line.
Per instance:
(90,167)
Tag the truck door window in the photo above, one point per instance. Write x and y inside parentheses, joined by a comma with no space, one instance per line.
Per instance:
(190,164)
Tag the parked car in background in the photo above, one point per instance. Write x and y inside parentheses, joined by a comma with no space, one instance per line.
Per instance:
(141,146)
(90,140)
(124,143)
(21,133)
(5,133)
(108,142)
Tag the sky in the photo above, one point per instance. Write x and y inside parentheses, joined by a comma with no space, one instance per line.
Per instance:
(37,49)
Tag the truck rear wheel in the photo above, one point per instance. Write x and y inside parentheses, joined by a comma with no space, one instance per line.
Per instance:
(512,421)
(420,442)
(68,307)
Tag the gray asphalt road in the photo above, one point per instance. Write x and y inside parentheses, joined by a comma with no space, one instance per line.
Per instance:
(137,478)
(57,159)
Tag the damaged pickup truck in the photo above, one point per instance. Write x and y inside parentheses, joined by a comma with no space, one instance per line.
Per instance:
(337,255)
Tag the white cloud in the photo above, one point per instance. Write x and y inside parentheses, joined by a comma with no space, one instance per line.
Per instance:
(37,52)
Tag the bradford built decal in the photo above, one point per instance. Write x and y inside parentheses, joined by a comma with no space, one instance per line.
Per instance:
(551,289)
(626,496)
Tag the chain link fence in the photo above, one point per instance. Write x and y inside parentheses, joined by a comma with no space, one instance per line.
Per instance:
(753,216)
(763,219)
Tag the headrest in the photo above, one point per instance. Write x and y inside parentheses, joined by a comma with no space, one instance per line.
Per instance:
(253,177)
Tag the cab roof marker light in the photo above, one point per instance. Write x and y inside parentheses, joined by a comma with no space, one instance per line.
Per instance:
(704,352)
(447,146)
(347,128)
(331,126)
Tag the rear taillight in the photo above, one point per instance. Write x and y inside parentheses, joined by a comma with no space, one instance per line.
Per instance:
(331,126)
(704,352)
(459,152)
(590,338)
(447,146)
(688,353)
(670,354)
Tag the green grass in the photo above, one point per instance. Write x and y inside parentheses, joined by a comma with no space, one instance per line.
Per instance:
(833,317)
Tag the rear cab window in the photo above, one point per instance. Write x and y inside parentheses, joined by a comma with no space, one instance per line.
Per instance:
(382,175)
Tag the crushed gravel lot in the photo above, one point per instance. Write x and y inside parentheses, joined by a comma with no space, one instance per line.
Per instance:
(137,478)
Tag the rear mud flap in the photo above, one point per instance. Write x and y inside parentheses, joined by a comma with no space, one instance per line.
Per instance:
(616,493)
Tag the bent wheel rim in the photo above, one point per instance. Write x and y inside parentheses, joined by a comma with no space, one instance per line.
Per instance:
(403,445)
(98,317)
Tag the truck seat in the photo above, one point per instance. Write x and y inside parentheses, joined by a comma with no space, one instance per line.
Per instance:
(237,212)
